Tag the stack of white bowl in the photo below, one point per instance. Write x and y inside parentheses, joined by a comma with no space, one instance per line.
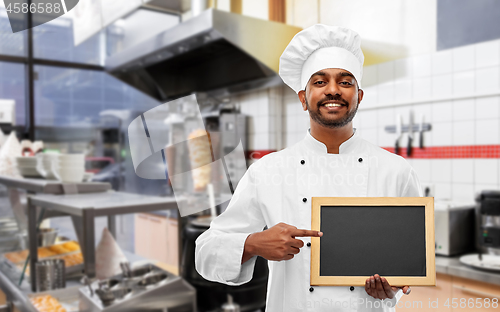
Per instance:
(27,166)
(44,164)
(69,167)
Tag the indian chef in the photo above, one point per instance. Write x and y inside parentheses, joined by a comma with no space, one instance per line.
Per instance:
(324,66)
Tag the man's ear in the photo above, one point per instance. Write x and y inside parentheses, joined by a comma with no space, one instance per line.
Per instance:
(360,95)
(302,98)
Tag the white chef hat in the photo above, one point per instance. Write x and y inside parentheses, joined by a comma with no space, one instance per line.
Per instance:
(319,47)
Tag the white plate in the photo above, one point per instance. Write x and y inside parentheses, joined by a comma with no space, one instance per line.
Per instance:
(490,262)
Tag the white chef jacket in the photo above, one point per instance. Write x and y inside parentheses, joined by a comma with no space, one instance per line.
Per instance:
(273,191)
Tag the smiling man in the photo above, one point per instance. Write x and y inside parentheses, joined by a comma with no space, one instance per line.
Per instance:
(323,65)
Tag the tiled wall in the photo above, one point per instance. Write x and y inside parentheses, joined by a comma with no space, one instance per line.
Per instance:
(458,93)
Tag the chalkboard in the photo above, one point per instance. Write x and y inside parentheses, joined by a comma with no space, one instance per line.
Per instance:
(363,236)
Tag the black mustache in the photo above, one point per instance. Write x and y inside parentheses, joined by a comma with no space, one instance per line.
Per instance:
(332,98)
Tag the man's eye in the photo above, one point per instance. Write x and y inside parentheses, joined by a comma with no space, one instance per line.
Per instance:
(319,82)
(346,83)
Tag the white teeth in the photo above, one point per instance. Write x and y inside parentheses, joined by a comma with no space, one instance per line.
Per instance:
(332,105)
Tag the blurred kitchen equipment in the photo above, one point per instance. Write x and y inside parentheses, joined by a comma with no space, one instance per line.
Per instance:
(69,168)
(198,6)
(50,274)
(219,42)
(27,166)
(230,306)
(47,237)
(454,227)
(399,128)
(210,295)
(421,132)
(150,289)
(486,263)
(399,132)
(44,164)
(410,135)
(488,222)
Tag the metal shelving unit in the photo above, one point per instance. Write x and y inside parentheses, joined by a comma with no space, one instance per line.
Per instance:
(84,208)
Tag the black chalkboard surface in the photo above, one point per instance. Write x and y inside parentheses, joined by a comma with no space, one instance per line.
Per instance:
(363,236)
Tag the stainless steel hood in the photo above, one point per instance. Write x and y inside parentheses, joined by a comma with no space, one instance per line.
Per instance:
(213,51)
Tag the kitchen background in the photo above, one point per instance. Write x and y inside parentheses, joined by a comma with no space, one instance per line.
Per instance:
(431,62)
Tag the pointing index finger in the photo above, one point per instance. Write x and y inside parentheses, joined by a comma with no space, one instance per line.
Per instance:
(306,233)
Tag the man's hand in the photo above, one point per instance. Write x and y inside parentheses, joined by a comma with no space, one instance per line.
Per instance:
(277,243)
(379,288)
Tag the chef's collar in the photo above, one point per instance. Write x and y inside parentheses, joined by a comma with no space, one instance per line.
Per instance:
(319,147)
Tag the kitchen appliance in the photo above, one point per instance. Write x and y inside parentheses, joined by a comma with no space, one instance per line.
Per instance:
(211,295)
(488,222)
(454,227)
(145,288)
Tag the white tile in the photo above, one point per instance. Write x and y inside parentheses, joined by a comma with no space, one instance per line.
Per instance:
(261,141)
(487,53)
(463,58)
(422,168)
(488,80)
(463,192)
(486,171)
(403,69)
(464,83)
(442,191)
(403,90)
(421,65)
(290,123)
(478,188)
(370,76)
(464,133)
(385,117)
(463,110)
(442,86)
(386,93)
(421,88)
(262,124)
(488,107)
(441,62)
(487,132)
(384,138)
(441,170)
(441,111)
(462,170)
(385,72)
(370,97)
(368,118)
(442,134)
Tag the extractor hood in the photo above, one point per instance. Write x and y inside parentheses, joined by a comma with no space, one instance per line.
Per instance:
(213,51)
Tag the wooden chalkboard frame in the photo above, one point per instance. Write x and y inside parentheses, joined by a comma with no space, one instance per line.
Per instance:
(318,202)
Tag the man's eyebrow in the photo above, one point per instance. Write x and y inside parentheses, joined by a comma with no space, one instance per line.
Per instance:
(320,73)
(346,74)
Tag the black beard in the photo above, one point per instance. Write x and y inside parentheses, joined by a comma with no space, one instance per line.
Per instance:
(318,117)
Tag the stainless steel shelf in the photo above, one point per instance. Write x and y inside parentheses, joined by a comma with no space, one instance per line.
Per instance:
(84,208)
(51,186)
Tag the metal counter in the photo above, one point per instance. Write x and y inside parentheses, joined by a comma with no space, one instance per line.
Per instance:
(453,266)
(19,295)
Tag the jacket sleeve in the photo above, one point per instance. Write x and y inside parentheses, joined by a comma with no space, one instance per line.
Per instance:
(219,250)
(412,187)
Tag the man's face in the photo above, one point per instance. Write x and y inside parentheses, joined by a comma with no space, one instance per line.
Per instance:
(331,97)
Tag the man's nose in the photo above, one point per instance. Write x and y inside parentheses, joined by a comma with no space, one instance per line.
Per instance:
(333,89)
